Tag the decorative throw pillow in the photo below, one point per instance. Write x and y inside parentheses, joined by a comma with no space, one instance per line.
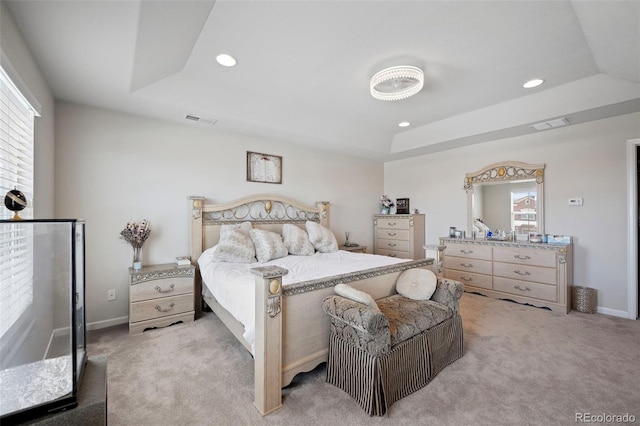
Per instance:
(321,238)
(234,246)
(417,284)
(243,227)
(297,240)
(268,245)
(356,295)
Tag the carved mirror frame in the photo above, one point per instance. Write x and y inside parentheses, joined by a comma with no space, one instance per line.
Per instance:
(505,172)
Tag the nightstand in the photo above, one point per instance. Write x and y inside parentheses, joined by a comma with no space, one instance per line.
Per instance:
(160,295)
(354,249)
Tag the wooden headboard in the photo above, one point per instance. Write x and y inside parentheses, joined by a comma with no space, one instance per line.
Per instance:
(265,211)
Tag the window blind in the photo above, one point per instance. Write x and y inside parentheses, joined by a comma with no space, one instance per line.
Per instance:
(16,171)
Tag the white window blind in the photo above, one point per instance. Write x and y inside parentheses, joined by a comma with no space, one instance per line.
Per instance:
(16,171)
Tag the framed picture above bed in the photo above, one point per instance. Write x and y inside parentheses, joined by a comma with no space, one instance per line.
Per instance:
(264,168)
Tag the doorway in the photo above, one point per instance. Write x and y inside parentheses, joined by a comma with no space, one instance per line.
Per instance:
(633,229)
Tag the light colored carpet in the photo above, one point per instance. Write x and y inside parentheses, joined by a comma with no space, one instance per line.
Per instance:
(522,365)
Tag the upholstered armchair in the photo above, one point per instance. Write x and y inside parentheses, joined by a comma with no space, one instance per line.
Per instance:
(380,354)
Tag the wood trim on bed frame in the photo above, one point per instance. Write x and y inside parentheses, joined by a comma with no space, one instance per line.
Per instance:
(292,332)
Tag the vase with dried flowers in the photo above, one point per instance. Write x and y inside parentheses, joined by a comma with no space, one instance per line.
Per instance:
(136,234)
(386,204)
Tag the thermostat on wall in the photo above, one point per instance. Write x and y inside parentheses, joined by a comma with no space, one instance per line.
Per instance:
(575,201)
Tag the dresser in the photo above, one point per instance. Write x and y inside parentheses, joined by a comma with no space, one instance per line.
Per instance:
(160,295)
(399,235)
(538,274)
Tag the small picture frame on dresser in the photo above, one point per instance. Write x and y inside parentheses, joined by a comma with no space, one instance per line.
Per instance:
(402,206)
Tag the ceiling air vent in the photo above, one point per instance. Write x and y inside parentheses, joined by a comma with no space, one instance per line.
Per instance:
(200,119)
(545,125)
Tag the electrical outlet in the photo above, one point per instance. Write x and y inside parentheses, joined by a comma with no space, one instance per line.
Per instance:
(575,201)
(111,294)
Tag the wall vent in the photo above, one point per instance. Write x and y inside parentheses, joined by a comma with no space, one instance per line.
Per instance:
(552,124)
(200,119)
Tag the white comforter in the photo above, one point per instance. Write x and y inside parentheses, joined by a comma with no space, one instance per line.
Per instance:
(233,286)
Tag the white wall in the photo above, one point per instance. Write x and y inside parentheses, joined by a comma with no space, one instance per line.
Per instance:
(17,53)
(113,167)
(23,343)
(586,160)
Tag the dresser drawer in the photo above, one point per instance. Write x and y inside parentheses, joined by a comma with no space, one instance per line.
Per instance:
(527,289)
(525,272)
(392,223)
(468,251)
(469,278)
(384,244)
(393,234)
(394,253)
(468,265)
(163,287)
(161,307)
(522,256)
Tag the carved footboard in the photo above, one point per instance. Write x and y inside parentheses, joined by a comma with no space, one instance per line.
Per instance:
(292,331)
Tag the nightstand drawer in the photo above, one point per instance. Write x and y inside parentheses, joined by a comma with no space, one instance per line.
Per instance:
(161,307)
(164,287)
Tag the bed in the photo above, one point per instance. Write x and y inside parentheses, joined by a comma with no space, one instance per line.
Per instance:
(291,332)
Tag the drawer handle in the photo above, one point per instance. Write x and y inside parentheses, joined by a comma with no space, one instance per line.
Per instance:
(466,251)
(517,287)
(160,309)
(391,244)
(160,290)
(391,234)
(391,223)
(525,273)
(393,255)
(517,256)
(467,265)
(467,279)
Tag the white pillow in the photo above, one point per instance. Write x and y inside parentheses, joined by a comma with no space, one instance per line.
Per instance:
(234,246)
(356,295)
(417,284)
(297,240)
(322,238)
(268,245)
(243,227)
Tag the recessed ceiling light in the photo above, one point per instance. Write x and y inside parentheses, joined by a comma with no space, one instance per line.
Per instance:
(533,83)
(404,124)
(226,60)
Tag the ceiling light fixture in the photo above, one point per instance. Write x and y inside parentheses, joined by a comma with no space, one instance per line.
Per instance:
(404,124)
(226,60)
(396,83)
(533,83)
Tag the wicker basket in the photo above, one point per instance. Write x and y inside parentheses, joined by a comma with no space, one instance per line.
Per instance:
(583,299)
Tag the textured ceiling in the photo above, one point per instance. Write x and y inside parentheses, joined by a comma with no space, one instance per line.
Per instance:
(304,66)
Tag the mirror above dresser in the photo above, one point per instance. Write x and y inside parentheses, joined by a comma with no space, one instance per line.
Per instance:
(510,196)
(506,196)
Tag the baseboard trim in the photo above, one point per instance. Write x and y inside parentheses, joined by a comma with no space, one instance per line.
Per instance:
(613,312)
(97,325)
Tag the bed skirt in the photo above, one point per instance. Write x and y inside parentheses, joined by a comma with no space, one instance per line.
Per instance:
(376,382)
